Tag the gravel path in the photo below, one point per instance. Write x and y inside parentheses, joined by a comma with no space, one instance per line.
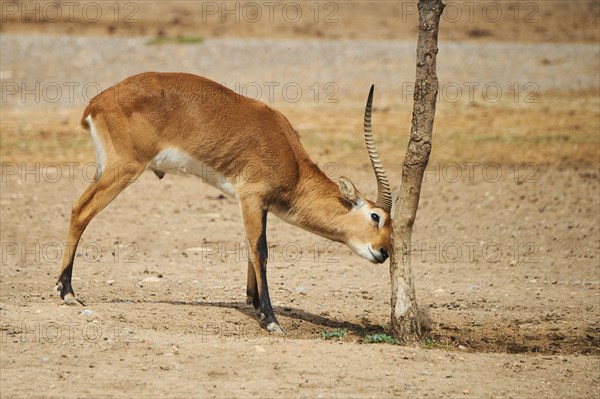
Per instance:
(260,66)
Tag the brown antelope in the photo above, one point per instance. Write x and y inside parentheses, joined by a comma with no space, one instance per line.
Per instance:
(185,124)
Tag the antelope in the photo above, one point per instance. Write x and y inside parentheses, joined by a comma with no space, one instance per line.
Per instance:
(185,124)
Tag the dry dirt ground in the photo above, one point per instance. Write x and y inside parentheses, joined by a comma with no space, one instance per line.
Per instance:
(506,242)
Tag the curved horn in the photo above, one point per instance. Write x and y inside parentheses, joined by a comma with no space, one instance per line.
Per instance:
(384,195)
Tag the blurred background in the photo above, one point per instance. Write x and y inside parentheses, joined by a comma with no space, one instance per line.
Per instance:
(519,80)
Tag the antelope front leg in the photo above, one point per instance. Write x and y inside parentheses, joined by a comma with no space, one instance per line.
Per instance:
(252,289)
(255,222)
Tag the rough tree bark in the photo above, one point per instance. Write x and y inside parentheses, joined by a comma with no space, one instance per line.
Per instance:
(406,325)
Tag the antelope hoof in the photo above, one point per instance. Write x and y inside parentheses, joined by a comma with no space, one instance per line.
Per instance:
(70,300)
(275,328)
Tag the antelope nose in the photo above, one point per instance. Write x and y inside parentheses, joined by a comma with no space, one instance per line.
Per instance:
(384,254)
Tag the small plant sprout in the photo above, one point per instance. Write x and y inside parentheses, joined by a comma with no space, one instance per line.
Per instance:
(335,333)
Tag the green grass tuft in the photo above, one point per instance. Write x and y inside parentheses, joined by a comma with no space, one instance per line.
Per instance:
(160,40)
(429,343)
(336,333)
(380,339)
(189,39)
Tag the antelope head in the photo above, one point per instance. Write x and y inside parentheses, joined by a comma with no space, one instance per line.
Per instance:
(370,221)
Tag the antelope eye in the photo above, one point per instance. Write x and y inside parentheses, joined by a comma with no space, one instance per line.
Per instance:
(375,217)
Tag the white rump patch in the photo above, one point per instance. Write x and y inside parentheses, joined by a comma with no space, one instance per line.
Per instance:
(100,154)
(175,161)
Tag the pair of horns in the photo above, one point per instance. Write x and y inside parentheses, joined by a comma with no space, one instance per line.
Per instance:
(384,194)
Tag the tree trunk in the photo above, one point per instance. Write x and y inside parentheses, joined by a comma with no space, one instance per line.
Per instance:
(406,326)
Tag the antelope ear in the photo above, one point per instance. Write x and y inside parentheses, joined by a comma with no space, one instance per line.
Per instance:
(350,193)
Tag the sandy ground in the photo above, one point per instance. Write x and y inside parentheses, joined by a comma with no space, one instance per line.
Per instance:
(506,243)
(163,281)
